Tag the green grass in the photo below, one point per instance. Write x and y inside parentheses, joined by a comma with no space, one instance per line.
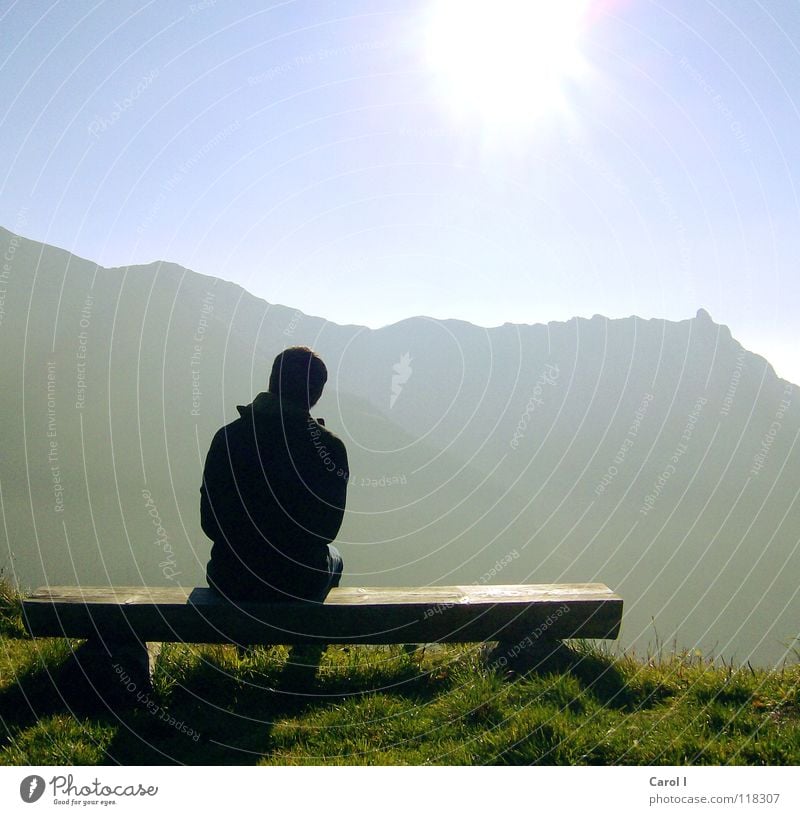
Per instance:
(390,705)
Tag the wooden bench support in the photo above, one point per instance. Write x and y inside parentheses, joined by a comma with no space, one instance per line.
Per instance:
(117,670)
(129,662)
(118,622)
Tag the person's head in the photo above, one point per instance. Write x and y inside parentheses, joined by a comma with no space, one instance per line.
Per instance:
(299,375)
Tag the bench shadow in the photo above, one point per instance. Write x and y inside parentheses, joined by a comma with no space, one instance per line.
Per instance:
(216,716)
(149,730)
(220,717)
(211,717)
(598,674)
(42,690)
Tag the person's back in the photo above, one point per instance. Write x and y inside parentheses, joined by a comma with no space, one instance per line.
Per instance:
(274,490)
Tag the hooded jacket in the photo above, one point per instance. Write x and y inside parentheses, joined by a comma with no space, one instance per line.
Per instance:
(273,497)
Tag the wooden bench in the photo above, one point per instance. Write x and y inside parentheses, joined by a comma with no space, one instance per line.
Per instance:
(120,622)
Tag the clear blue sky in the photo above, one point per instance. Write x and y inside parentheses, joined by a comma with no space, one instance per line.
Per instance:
(312,152)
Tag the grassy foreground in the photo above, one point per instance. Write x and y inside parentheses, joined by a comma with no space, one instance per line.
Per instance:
(389,705)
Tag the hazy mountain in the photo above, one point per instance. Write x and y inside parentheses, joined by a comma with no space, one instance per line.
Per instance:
(655,456)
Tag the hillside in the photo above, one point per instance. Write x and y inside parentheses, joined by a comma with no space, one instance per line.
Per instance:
(658,457)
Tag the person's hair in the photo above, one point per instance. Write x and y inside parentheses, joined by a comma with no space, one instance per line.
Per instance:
(298,374)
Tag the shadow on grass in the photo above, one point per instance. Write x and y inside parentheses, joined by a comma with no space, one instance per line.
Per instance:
(210,716)
(215,713)
(221,710)
(45,687)
(598,673)
(601,677)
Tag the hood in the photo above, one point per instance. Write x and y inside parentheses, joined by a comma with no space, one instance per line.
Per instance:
(268,403)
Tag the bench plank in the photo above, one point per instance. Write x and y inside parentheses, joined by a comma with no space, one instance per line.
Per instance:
(355,615)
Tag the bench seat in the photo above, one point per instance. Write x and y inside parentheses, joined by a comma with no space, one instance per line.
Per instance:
(376,616)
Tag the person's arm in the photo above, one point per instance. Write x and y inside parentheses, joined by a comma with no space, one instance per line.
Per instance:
(339,490)
(331,491)
(210,490)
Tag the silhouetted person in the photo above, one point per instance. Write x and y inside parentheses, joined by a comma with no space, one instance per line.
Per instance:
(274,491)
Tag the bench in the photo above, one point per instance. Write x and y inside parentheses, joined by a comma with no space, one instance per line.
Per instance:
(125,626)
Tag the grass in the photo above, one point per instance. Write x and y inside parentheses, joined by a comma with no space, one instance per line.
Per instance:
(391,705)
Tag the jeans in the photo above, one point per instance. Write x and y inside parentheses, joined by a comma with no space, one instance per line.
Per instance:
(335,569)
(312,584)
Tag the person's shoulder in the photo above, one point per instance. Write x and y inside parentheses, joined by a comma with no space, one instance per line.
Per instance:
(327,442)
(232,429)
(321,431)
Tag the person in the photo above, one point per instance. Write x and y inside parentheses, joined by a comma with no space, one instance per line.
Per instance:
(274,491)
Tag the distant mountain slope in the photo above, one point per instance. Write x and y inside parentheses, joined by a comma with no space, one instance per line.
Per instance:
(656,456)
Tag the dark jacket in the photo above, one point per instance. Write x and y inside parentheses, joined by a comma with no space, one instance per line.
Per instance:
(273,497)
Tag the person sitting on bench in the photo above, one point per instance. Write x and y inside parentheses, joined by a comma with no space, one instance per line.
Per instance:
(274,490)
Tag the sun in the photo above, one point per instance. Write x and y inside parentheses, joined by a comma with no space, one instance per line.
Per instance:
(508,62)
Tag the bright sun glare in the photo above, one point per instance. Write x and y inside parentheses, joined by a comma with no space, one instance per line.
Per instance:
(507,61)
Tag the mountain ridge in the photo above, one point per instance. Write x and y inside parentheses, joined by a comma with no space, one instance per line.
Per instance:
(702,315)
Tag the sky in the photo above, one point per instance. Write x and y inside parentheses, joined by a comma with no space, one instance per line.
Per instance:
(371,160)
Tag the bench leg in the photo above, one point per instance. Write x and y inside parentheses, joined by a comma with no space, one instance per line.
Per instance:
(120,671)
(301,667)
